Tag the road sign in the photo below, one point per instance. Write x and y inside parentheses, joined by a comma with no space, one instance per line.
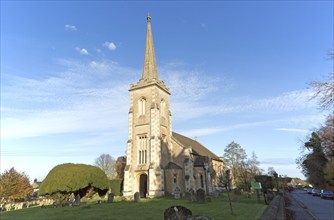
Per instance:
(256,185)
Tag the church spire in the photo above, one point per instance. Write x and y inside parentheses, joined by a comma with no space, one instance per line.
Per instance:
(150,67)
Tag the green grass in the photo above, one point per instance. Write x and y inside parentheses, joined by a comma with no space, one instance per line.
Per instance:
(146,209)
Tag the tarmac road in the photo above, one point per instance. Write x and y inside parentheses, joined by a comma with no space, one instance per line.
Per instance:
(318,208)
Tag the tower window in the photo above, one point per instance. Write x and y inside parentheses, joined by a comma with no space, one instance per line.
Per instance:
(163,108)
(142,149)
(141,106)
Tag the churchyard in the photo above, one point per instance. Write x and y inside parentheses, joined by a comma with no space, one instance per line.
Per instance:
(216,208)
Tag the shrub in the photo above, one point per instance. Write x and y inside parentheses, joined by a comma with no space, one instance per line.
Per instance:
(74,178)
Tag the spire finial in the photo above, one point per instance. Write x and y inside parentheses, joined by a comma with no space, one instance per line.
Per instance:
(148,17)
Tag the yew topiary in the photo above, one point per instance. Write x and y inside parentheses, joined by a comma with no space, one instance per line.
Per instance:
(74,178)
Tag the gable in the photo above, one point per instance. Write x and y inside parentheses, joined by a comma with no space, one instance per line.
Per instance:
(173,166)
(196,147)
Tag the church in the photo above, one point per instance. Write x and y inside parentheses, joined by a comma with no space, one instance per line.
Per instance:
(159,161)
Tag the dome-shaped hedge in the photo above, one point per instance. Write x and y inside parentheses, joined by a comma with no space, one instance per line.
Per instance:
(76,178)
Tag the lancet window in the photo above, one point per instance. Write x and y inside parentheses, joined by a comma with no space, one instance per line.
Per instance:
(163,108)
(141,106)
(142,149)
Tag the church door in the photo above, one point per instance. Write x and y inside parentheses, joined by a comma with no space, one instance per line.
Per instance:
(143,185)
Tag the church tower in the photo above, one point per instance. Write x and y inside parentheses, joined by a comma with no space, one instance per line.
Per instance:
(150,133)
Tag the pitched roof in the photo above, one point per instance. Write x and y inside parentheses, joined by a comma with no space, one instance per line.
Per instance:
(196,147)
(173,166)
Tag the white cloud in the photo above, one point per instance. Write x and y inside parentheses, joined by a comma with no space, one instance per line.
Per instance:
(79,99)
(110,45)
(305,120)
(98,89)
(82,51)
(70,27)
(293,130)
(287,102)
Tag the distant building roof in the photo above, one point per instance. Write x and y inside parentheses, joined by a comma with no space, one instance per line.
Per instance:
(36,185)
(196,147)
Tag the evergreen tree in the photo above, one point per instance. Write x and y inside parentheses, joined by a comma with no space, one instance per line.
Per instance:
(314,163)
(70,178)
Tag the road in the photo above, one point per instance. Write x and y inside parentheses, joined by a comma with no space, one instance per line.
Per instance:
(320,209)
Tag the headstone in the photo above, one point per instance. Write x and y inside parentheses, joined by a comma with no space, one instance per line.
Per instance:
(77,200)
(177,192)
(200,195)
(177,213)
(191,196)
(99,201)
(237,192)
(136,197)
(216,193)
(71,199)
(111,197)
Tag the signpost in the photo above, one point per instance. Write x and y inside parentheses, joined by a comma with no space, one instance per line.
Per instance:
(257,186)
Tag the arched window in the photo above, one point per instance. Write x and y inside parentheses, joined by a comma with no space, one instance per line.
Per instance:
(142,149)
(141,106)
(163,108)
(174,181)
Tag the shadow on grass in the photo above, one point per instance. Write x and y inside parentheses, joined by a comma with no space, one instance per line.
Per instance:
(244,208)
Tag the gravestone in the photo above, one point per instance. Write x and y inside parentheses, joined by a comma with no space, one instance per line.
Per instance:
(200,196)
(77,200)
(71,199)
(177,213)
(216,193)
(111,197)
(191,196)
(177,192)
(136,197)
(237,192)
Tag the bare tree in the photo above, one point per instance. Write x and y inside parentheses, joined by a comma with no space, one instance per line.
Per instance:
(324,90)
(106,163)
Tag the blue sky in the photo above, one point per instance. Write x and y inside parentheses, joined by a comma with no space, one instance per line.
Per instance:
(237,71)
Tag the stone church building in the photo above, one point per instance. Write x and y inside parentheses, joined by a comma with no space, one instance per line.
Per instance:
(158,159)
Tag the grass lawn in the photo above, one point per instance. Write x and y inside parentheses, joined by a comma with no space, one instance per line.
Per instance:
(243,208)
